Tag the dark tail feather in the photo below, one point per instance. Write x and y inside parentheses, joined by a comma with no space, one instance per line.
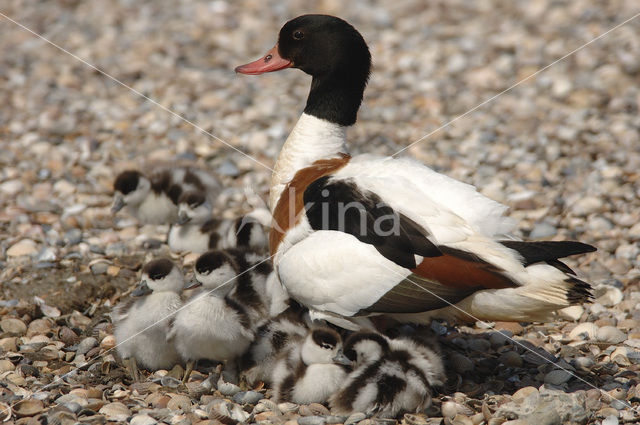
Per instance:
(547,251)
(580,291)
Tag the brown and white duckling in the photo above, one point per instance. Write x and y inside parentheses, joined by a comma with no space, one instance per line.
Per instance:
(197,231)
(212,325)
(143,323)
(272,338)
(306,372)
(154,199)
(390,377)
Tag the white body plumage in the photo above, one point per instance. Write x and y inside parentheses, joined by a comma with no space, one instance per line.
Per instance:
(142,324)
(306,373)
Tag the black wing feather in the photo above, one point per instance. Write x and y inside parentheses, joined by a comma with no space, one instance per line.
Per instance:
(340,205)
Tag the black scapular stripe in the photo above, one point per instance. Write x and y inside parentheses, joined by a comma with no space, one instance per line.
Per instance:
(341,206)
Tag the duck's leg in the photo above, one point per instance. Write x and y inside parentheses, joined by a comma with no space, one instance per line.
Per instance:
(132,367)
(187,370)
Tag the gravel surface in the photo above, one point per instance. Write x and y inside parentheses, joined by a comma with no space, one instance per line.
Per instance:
(562,150)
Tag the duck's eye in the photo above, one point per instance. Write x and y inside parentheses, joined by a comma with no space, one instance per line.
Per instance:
(327,346)
(351,355)
(298,35)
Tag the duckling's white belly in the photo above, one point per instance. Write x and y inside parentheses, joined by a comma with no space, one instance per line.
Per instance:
(188,238)
(156,209)
(318,383)
(209,329)
(143,332)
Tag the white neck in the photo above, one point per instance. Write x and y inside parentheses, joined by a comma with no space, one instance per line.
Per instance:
(310,140)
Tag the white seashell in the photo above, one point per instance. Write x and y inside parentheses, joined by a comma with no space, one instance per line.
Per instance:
(573,312)
(142,420)
(287,407)
(621,356)
(584,331)
(450,409)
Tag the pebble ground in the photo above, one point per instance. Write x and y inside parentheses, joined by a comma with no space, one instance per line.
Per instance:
(562,150)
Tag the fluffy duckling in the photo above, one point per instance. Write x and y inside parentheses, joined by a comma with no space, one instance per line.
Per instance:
(212,325)
(390,377)
(306,373)
(253,283)
(142,323)
(272,338)
(197,231)
(257,286)
(154,199)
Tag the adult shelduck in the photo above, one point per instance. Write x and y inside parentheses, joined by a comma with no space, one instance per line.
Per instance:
(364,235)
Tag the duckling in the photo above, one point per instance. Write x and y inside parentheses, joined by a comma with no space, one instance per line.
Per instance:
(427,356)
(247,232)
(257,285)
(254,285)
(272,338)
(154,199)
(197,231)
(212,325)
(390,377)
(142,323)
(306,373)
(195,228)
